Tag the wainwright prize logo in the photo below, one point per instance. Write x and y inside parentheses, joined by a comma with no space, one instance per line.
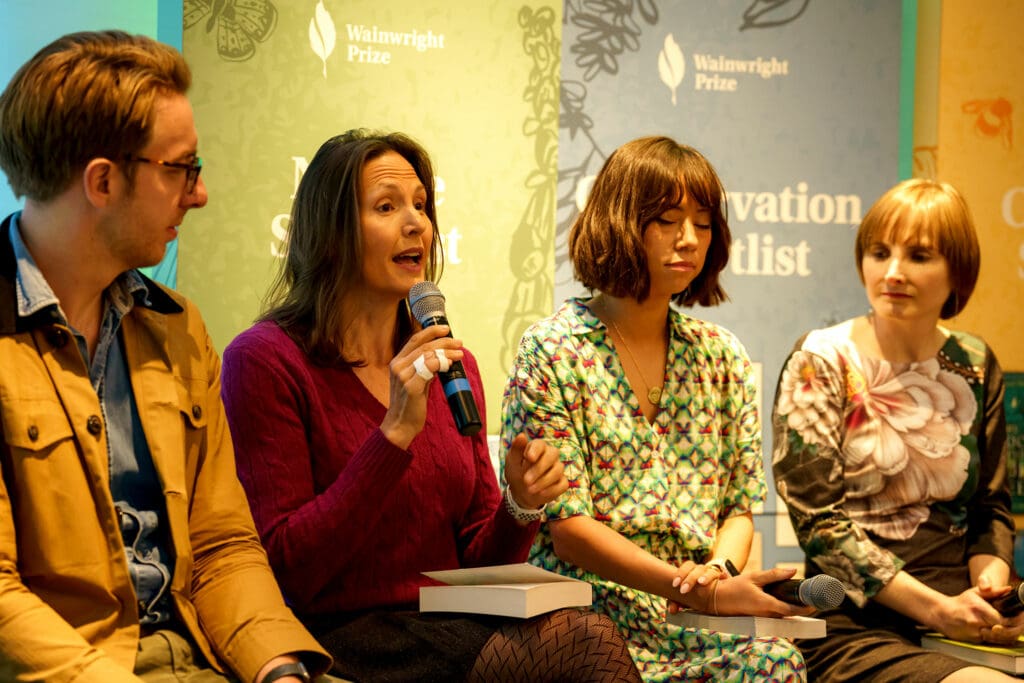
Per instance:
(711,71)
(322,35)
(367,43)
(671,65)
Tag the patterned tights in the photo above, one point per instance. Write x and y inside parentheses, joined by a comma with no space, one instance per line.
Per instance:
(567,646)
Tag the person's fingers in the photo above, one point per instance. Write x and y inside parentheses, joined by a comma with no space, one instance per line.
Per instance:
(420,365)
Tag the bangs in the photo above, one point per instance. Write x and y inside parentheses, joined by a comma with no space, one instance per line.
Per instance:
(908,225)
(689,179)
(701,184)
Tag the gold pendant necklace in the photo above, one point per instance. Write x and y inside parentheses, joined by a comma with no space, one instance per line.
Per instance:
(653,392)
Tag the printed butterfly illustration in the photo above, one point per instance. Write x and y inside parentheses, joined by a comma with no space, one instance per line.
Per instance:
(240,24)
(993,118)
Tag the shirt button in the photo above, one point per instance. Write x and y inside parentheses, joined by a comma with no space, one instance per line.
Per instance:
(33,433)
(197,412)
(57,337)
(94,425)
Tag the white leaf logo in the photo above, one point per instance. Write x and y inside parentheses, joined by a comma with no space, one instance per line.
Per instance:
(671,65)
(321,34)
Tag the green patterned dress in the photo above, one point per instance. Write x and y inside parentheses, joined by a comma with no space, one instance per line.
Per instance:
(665,486)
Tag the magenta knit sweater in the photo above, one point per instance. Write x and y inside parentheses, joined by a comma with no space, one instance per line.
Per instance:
(348,519)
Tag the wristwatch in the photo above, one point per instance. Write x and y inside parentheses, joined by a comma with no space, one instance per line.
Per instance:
(723,565)
(297,669)
(519,513)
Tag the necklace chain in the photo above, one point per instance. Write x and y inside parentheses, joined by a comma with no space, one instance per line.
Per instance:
(653,392)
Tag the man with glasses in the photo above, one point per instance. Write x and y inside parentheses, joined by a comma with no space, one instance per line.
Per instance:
(127,550)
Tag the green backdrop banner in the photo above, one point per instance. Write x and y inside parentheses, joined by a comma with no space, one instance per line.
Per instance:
(475,83)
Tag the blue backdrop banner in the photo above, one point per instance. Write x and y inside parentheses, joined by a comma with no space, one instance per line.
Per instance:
(796,104)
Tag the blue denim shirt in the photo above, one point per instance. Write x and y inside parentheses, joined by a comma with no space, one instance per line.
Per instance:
(134,483)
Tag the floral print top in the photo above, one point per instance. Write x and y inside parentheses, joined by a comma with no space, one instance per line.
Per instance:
(878,462)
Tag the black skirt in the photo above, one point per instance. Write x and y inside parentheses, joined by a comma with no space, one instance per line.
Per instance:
(395,646)
(874,644)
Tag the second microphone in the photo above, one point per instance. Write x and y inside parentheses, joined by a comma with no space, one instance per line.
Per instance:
(821,591)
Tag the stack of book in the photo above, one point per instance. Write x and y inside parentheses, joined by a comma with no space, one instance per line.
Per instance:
(1009,659)
(755,627)
(510,590)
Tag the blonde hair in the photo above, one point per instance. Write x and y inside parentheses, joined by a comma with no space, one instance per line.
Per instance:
(922,210)
(84,96)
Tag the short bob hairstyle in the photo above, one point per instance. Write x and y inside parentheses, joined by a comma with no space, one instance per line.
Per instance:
(640,181)
(324,259)
(84,96)
(921,211)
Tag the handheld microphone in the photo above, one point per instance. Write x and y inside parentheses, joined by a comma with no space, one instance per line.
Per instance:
(1012,603)
(821,591)
(427,305)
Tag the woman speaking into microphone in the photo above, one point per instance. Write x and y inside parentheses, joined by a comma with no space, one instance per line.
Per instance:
(357,475)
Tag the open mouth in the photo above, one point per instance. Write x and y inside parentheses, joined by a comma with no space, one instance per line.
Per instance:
(409,258)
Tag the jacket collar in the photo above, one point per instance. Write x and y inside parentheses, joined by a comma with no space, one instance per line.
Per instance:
(156,300)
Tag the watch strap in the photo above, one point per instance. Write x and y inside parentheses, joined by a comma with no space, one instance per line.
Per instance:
(519,513)
(289,669)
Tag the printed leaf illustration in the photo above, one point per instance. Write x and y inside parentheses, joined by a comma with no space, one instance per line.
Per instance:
(321,34)
(769,13)
(671,65)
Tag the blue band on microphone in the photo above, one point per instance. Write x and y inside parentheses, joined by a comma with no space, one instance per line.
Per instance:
(456,385)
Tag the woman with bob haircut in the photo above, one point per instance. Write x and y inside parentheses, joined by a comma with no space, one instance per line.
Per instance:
(890,453)
(356,474)
(654,415)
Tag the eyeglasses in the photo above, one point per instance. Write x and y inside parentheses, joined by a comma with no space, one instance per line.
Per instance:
(191,168)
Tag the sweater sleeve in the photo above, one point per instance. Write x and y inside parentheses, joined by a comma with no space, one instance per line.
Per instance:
(488,533)
(265,390)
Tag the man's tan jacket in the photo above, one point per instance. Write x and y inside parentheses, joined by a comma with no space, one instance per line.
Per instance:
(67,606)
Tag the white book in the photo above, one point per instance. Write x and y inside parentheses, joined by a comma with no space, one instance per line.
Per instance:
(510,590)
(755,627)
(1009,659)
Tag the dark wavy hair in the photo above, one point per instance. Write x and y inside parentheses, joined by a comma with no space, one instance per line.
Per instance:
(324,247)
(640,181)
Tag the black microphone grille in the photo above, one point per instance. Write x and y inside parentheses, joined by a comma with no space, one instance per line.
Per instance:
(426,300)
(822,591)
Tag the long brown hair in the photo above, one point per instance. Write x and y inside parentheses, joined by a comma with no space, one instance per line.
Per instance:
(324,246)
